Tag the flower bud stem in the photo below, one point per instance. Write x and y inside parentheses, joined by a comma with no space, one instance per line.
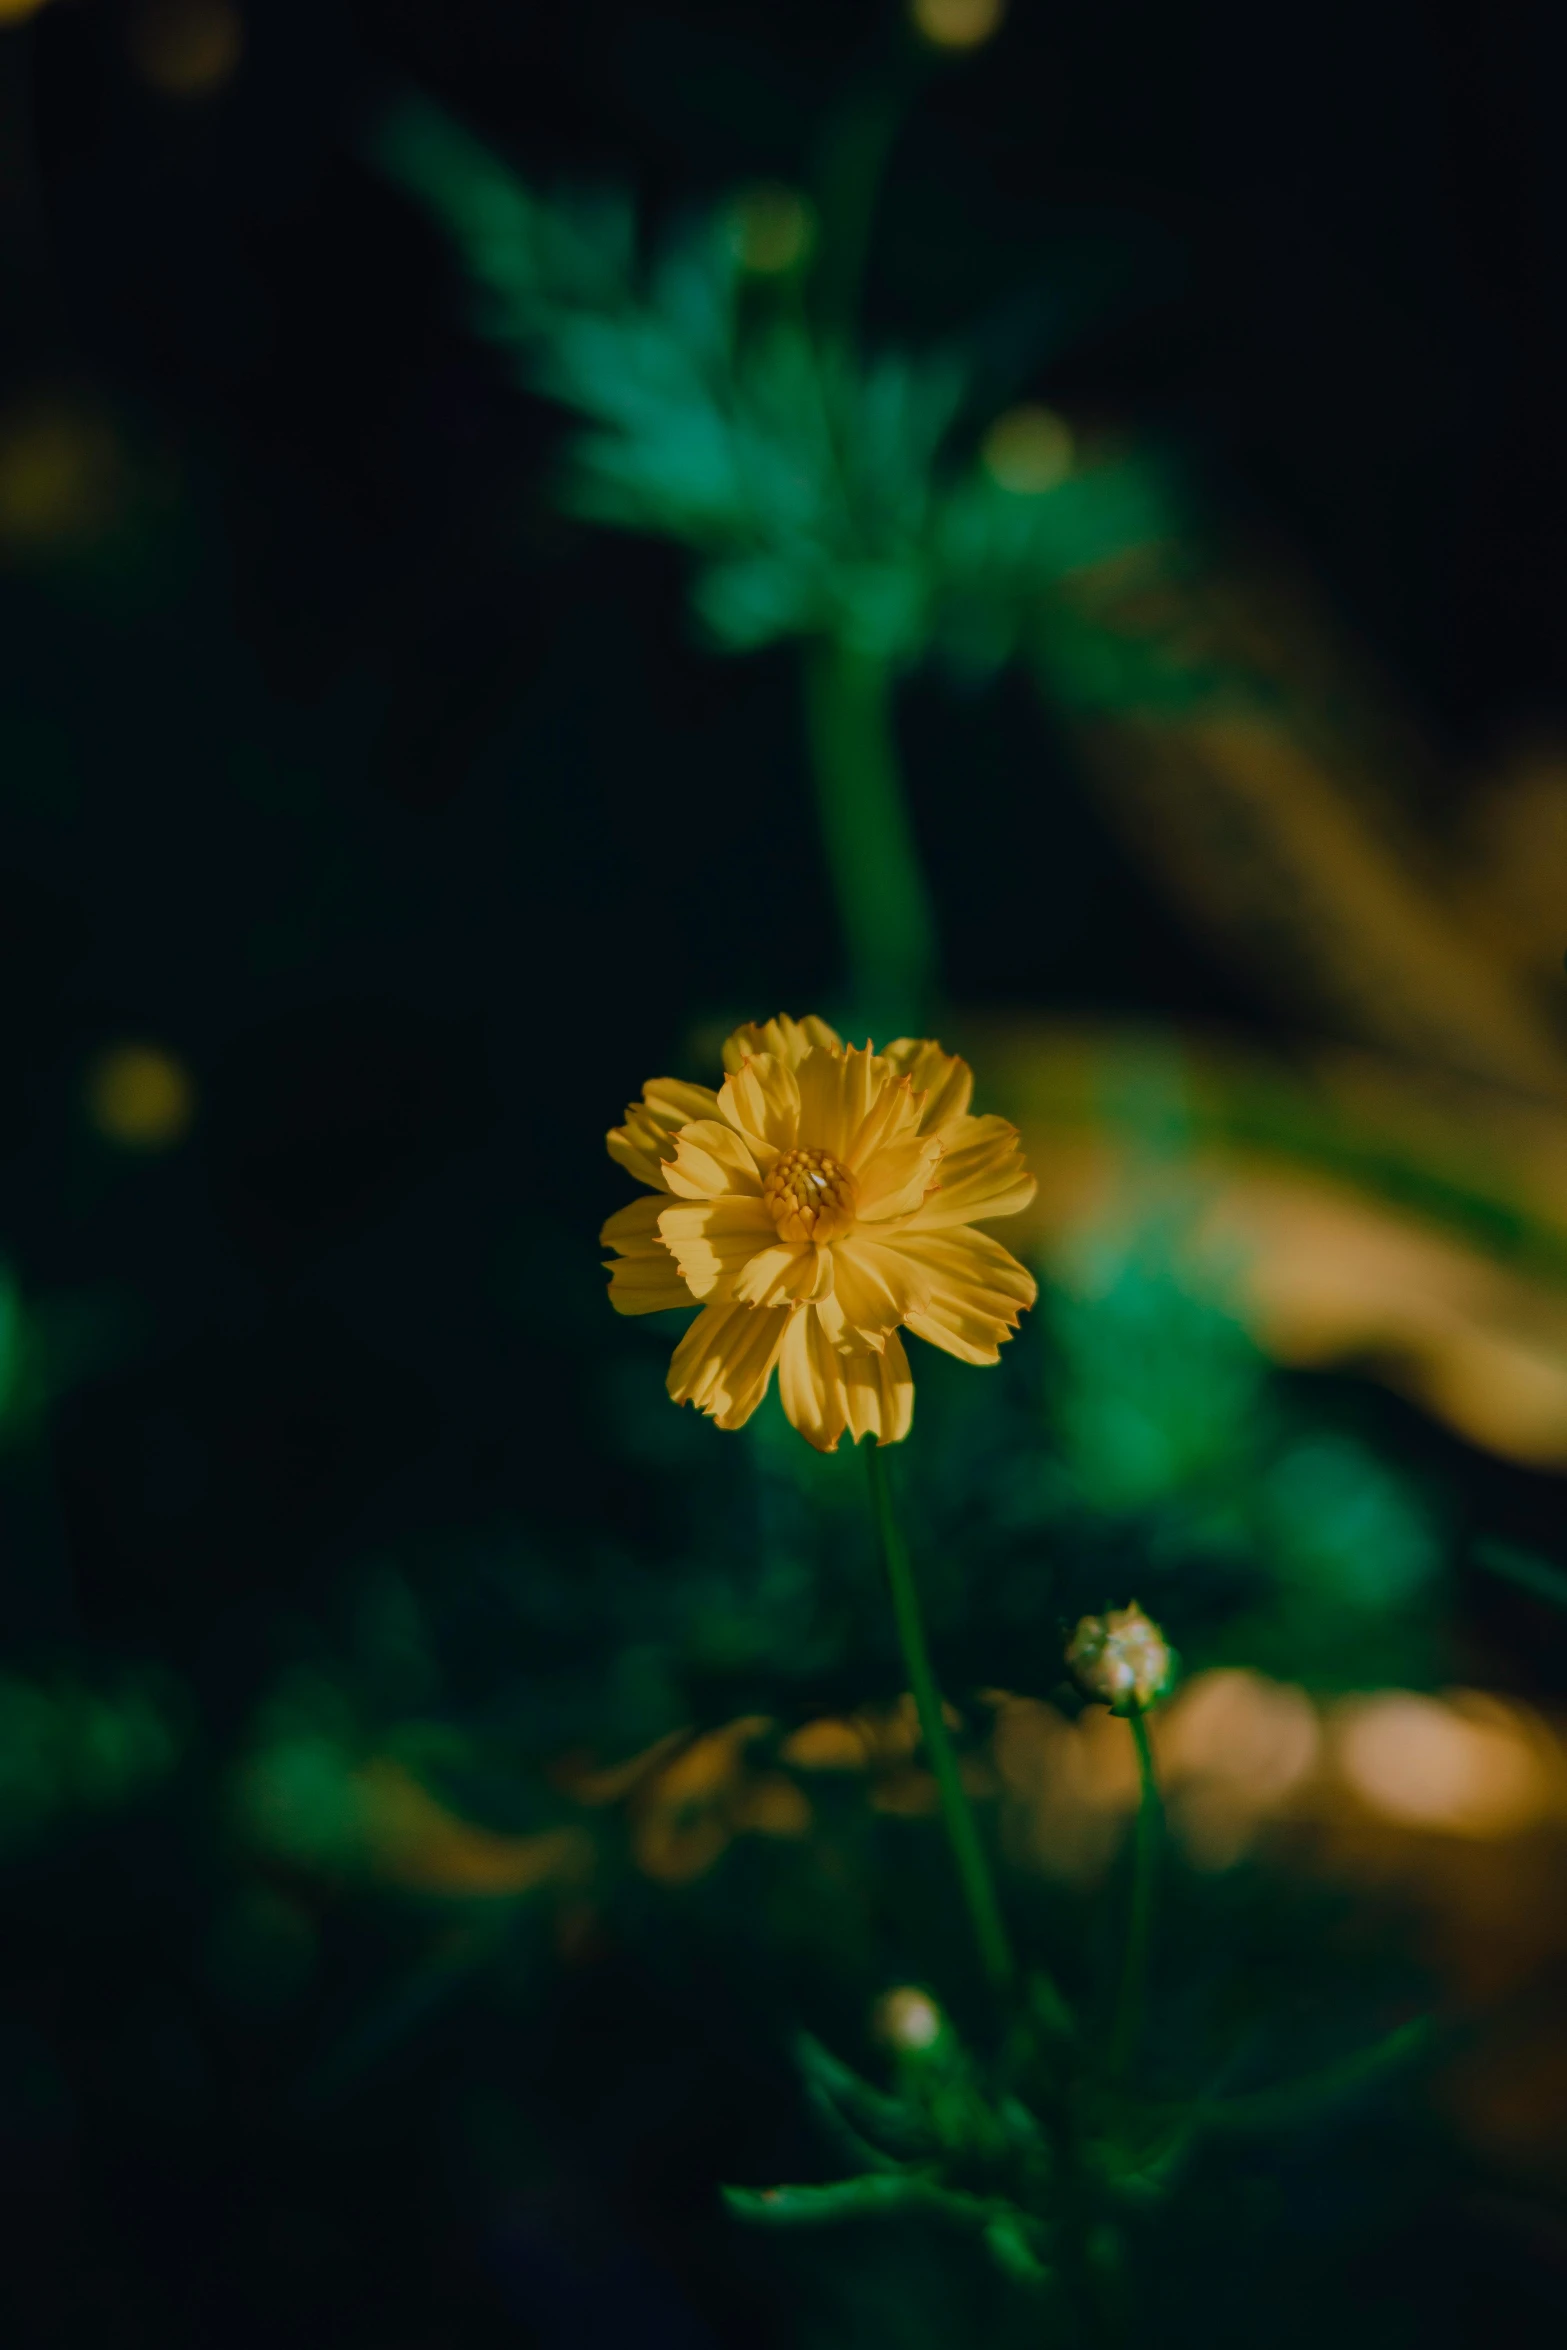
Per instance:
(979,1892)
(1128,2031)
(854,144)
(883,903)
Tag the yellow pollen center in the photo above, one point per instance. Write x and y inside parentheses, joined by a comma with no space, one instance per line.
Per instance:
(811,1195)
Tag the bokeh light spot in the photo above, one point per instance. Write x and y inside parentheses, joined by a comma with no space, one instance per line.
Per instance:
(1028,451)
(18,11)
(58,475)
(957,24)
(1466,1769)
(186,48)
(774,229)
(141,1097)
(1234,1750)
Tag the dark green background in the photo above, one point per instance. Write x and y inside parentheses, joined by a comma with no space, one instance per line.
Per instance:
(415,821)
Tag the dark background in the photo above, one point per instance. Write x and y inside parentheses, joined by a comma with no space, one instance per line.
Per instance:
(415,823)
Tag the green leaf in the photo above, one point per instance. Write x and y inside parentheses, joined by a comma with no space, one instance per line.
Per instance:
(874,2197)
(1535,1575)
(888,2123)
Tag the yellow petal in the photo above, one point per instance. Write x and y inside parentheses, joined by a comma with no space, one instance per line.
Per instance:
(635,1226)
(897,1179)
(761,1101)
(710,1159)
(787,1040)
(836,1094)
(666,1105)
(810,1384)
(824,1392)
(946,1082)
(725,1360)
(645,1278)
(893,1117)
(777,1276)
(712,1241)
(981,1175)
(974,1290)
(834,1321)
(646,1284)
(879,1393)
(876,1287)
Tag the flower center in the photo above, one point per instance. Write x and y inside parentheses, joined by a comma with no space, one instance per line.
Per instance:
(811,1195)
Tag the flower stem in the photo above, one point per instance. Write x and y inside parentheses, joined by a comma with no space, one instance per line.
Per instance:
(883,903)
(979,1893)
(853,146)
(1128,2030)
(852,160)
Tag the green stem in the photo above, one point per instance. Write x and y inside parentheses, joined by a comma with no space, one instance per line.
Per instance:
(851,162)
(1291,2102)
(979,1893)
(1128,2030)
(882,899)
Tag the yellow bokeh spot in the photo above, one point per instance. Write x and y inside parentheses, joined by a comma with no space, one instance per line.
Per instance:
(141,1097)
(1463,1767)
(774,229)
(18,11)
(1028,451)
(957,24)
(59,474)
(1234,1750)
(186,48)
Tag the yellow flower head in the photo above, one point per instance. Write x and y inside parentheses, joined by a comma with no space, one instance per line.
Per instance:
(821,1201)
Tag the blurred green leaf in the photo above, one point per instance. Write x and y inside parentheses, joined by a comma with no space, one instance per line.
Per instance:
(1535,1575)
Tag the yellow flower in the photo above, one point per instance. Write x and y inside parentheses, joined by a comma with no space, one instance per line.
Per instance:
(821,1201)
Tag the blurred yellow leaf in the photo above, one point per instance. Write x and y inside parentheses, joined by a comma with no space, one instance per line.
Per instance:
(1372,1213)
(413,1840)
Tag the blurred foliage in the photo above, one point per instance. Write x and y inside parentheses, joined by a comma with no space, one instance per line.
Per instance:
(1369,1213)
(67,1749)
(1049,2199)
(1171,1425)
(1537,1576)
(823,493)
(49,1344)
(523,1855)
(1146,1447)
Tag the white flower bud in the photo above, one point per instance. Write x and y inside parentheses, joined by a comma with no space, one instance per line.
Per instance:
(1121,1658)
(908,2019)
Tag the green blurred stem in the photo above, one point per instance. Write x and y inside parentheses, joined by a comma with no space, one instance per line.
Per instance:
(979,1893)
(1292,2102)
(1128,2031)
(851,161)
(882,900)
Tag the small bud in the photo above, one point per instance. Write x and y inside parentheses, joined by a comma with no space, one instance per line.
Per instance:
(773,228)
(908,2019)
(1028,450)
(1121,1658)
